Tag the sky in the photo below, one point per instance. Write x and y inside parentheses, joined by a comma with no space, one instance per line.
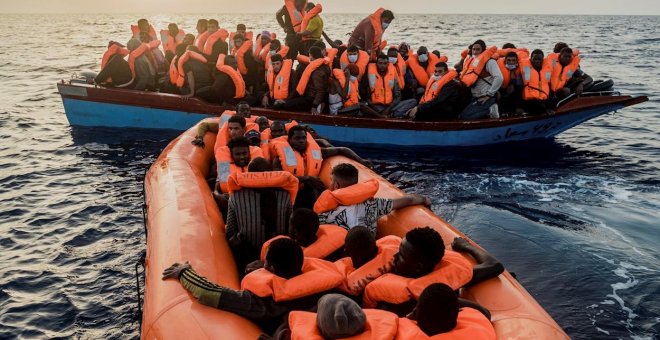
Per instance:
(604,7)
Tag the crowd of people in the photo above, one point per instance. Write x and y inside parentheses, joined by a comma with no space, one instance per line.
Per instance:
(364,76)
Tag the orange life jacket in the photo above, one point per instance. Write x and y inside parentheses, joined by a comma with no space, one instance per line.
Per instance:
(465,53)
(135,29)
(382,88)
(350,195)
(138,52)
(536,84)
(353,97)
(401,68)
(453,270)
(247,36)
(475,66)
(183,60)
(470,325)
(307,74)
(317,276)
(329,238)
(309,15)
(268,179)
(433,87)
(278,84)
(521,52)
(553,58)
(380,325)
(361,63)
(200,41)
(422,75)
(506,74)
(235,76)
(240,56)
(295,15)
(219,35)
(222,138)
(330,54)
(169,42)
(561,74)
(174,71)
(250,121)
(267,141)
(283,51)
(356,279)
(378,33)
(292,161)
(226,166)
(114,49)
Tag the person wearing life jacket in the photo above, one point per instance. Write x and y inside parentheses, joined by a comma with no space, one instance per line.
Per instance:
(246,64)
(234,158)
(442,96)
(385,94)
(484,78)
(235,125)
(215,42)
(242,30)
(344,91)
(195,78)
(142,65)
(202,33)
(275,47)
(567,76)
(154,54)
(337,317)
(421,67)
(536,76)
(279,84)
(143,26)
(259,208)
(290,18)
(512,84)
(115,70)
(228,86)
(422,260)
(311,28)
(441,314)
(171,38)
(348,203)
(262,42)
(312,89)
(368,34)
(357,57)
(288,281)
(396,59)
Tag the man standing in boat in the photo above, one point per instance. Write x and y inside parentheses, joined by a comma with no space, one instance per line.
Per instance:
(368,34)
(290,17)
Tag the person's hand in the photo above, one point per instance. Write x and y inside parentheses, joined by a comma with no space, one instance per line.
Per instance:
(367,163)
(315,111)
(254,265)
(412,113)
(460,244)
(174,271)
(279,102)
(347,73)
(423,200)
(198,141)
(579,89)
(264,101)
(482,99)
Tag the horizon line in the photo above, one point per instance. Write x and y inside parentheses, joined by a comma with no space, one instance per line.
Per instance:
(339,13)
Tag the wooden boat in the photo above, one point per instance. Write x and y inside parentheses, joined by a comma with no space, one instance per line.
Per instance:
(184,224)
(88,105)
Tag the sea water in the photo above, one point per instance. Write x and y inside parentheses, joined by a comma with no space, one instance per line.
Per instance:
(576,218)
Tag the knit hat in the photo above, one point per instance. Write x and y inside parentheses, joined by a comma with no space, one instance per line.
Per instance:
(339,317)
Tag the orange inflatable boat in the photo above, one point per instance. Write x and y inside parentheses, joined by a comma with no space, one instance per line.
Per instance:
(184,224)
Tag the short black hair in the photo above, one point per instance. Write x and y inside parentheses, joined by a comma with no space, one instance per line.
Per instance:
(202,22)
(237,142)
(511,54)
(352,49)
(392,49)
(566,50)
(276,57)
(286,257)
(346,173)
(428,243)
(441,64)
(536,51)
(238,36)
(295,128)
(275,43)
(360,245)
(241,27)
(315,52)
(259,164)
(237,119)
(437,53)
(320,44)
(213,21)
(304,225)
(437,309)
(387,14)
(142,21)
(508,45)
(382,56)
(480,43)
(559,46)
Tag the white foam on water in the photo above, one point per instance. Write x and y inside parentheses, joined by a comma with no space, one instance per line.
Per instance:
(602,330)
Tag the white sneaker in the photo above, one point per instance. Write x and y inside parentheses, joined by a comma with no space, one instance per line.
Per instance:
(494,112)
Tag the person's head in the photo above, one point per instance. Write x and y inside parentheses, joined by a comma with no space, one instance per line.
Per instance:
(386,18)
(239,148)
(478,47)
(145,37)
(437,309)
(423,54)
(259,164)
(309,6)
(404,49)
(559,46)
(299,4)
(202,25)
(276,61)
(238,40)
(173,29)
(236,126)
(240,28)
(188,39)
(440,69)
(133,44)
(511,61)
(565,56)
(262,122)
(392,55)
(284,258)
(354,71)
(536,59)
(179,50)
(303,226)
(254,137)
(315,52)
(265,38)
(382,63)
(352,53)
(360,245)
(277,129)
(508,45)
(298,138)
(230,61)
(320,44)
(275,46)
(343,175)
(420,251)
(339,317)
(143,25)
(243,109)
(213,26)
(437,53)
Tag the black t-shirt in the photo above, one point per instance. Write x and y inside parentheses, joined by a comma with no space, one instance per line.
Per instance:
(223,87)
(200,71)
(219,47)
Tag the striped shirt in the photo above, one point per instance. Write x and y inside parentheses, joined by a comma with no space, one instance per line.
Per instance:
(244,216)
(366,213)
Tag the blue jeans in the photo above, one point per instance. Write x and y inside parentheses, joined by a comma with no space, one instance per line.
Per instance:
(476,110)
